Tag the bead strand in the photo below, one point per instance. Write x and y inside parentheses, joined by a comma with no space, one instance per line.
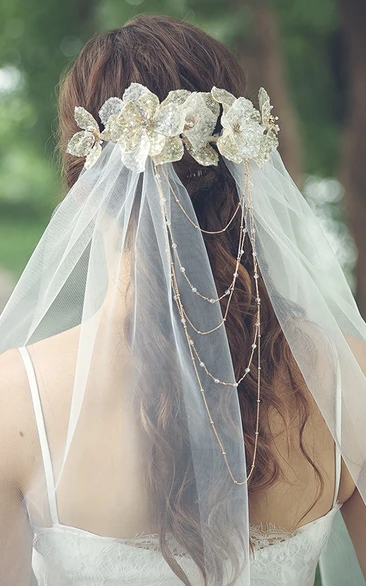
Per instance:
(184,319)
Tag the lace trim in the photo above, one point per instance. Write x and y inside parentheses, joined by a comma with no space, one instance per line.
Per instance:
(142,540)
(269,534)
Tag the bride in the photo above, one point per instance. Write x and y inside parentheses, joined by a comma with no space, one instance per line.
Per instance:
(182,369)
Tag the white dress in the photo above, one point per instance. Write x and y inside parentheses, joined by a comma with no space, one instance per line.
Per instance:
(68,556)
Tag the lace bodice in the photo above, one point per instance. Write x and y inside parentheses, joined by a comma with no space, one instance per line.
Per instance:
(65,556)
(68,556)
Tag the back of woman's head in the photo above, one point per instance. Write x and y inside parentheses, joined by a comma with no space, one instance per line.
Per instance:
(165,54)
(159,52)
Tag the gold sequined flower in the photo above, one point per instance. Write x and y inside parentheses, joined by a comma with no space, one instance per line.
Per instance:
(270,126)
(200,118)
(247,133)
(142,127)
(87,142)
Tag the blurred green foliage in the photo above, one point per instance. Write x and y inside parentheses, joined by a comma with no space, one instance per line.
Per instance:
(39,39)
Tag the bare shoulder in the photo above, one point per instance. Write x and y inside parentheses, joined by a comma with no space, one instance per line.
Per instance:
(358,348)
(15,420)
(19,443)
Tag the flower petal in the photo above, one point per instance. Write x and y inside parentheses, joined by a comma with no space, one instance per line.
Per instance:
(121,126)
(223,97)
(134,92)
(264,106)
(148,105)
(204,156)
(146,102)
(85,120)
(228,148)
(173,151)
(200,121)
(136,160)
(157,142)
(268,144)
(176,97)
(81,144)
(93,156)
(249,140)
(111,106)
(240,112)
(210,103)
(170,120)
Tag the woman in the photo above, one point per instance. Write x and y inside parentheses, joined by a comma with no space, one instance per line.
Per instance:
(183,368)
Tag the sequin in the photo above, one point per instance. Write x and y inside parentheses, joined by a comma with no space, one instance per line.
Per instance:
(247,133)
(134,92)
(80,144)
(223,97)
(200,122)
(228,148)
(111,107)
(136,160)
(148,105)
(85,143)
(177,97)
(264,106)
(173,151)
(93,156)
(205,156)
(170,119)
(85,120)
(143,127)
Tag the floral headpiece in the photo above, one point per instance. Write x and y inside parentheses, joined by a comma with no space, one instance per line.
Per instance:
(142,126)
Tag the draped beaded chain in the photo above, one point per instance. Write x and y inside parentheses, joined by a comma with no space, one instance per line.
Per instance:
(247,218)
(143,127)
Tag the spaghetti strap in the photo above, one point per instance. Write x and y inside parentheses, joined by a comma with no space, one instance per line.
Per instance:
(45,450)
(338,412)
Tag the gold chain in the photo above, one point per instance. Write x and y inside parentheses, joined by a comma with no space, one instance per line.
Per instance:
(190,219)
(184,318)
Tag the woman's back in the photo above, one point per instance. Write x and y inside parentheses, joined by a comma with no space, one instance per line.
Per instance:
(103,521)
(114,449)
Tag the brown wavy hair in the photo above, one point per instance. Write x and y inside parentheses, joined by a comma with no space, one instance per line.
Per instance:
(164,54)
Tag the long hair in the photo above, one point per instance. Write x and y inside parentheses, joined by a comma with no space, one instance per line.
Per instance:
(164,54)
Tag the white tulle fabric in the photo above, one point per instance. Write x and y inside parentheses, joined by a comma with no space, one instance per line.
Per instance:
(102,267)
(279,559)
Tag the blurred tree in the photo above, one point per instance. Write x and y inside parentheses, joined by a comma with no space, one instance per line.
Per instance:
(353,168)
(40,39)
(261,55)
(37,41)
(291,47)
